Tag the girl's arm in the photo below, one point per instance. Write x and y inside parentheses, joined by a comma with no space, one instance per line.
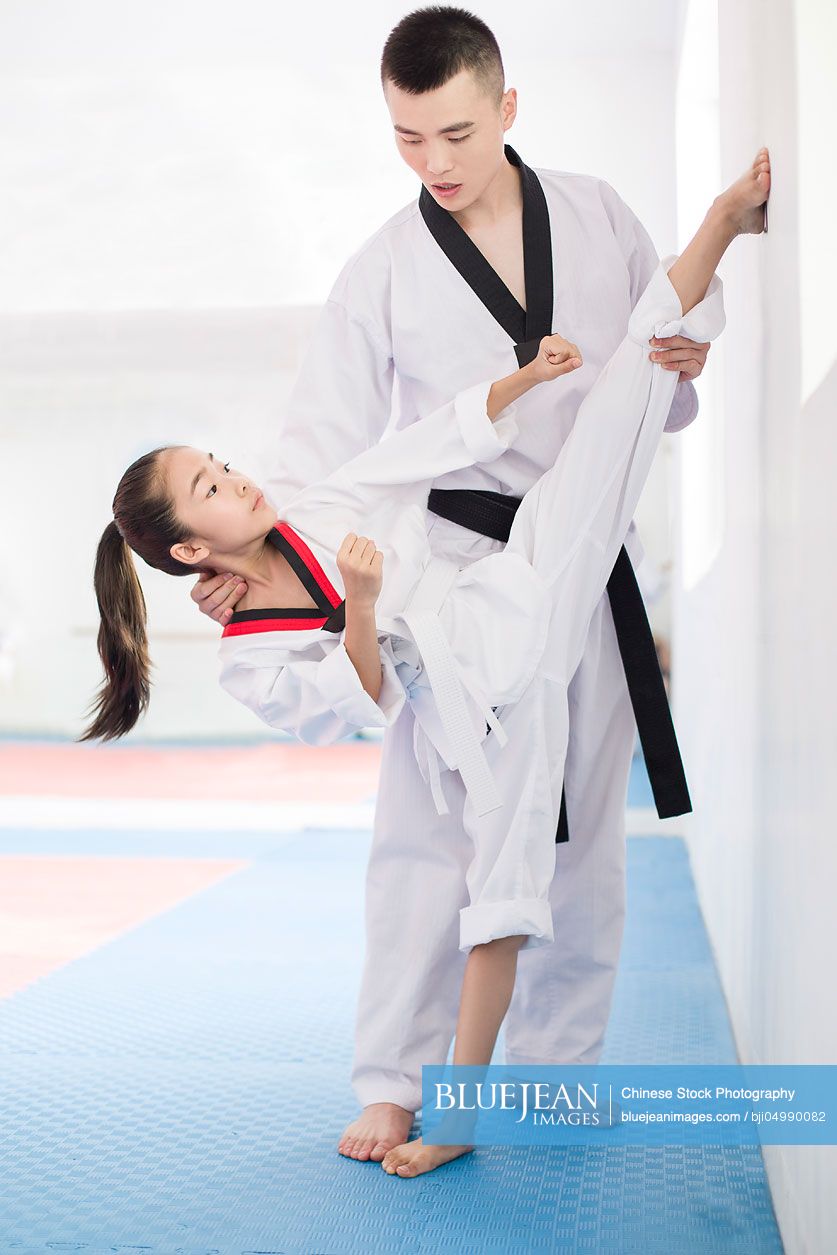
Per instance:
(360,564)
(361,643)
(476,426)
(506,391)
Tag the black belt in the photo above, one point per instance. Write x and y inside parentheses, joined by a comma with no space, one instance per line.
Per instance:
(491,514)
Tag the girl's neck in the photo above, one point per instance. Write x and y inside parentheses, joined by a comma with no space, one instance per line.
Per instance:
(258,565)
(271,580)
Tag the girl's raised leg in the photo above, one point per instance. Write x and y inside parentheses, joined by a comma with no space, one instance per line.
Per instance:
(573,521)
(740,210)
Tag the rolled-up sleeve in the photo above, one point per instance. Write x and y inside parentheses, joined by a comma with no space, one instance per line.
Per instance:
(340,686)
(319,701)
(484,438)
(658,311)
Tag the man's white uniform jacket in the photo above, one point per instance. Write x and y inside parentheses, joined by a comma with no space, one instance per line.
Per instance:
(403,331)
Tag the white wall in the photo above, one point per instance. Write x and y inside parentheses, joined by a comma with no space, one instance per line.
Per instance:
(754,676)
(179,185)
(195,154)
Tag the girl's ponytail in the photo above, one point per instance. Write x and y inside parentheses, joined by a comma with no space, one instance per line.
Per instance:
(122,641)
(145,522)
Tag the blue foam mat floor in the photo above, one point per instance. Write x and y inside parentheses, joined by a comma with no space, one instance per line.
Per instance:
(181,1090)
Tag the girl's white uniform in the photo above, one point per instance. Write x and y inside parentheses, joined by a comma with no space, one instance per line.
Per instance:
(506,631)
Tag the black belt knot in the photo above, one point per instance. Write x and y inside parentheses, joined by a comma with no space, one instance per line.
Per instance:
(491,514)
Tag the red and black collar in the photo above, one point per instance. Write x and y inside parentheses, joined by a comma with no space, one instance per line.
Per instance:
(332,616)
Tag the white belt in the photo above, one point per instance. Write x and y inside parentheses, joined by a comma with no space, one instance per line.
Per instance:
(422,619)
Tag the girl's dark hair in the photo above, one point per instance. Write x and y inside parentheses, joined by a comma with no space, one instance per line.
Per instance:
(145,521)
(431,45)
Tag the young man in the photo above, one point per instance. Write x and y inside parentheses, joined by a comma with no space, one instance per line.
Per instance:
(457,287)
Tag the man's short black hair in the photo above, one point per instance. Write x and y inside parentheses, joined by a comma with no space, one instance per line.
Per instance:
(429,46)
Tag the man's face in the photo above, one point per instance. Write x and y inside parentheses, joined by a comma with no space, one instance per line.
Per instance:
(452,137)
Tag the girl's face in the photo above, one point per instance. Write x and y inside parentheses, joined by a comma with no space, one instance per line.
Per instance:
(222,509)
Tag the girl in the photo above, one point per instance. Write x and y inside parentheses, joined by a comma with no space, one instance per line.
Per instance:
(484,655)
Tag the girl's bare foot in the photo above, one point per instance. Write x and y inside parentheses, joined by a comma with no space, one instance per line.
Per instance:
(413,1158)
(380,1127)
(744,203)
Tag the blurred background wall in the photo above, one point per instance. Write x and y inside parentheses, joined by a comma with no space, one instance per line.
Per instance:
(181,184)
(753,608)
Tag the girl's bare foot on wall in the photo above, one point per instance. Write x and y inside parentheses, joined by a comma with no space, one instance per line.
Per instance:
(745,200)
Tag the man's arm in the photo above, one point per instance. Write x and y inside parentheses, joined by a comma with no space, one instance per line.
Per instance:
(677,352)
(340,403)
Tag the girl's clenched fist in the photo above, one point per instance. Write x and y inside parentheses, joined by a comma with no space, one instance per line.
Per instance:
(556,357)
(360,565)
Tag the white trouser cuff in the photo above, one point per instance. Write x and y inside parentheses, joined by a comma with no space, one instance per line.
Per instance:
(373,1089)
(485,921)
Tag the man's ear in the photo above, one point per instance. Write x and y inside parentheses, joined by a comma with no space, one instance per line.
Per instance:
(190,554)
(508,107)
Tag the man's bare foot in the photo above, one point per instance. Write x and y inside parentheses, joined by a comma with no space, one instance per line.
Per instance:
(744,202)
(380,1127)
(413,1158)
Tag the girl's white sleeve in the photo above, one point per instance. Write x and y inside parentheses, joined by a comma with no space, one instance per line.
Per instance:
(457,434)
(319,701)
